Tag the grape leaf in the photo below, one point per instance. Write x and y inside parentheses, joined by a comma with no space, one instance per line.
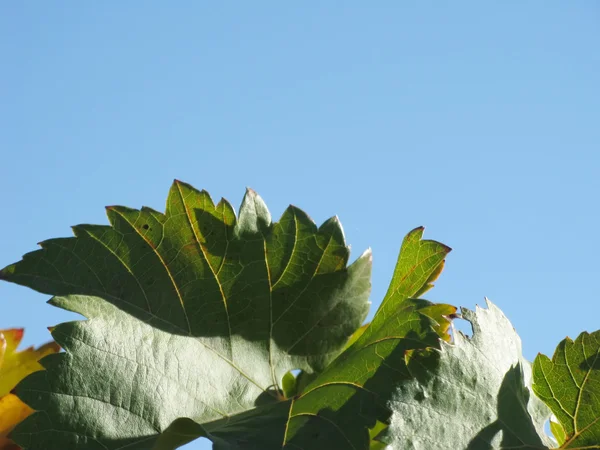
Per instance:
(345,407)
(194,316)
(337,409)
(14,366)
(479,397)
(569,384)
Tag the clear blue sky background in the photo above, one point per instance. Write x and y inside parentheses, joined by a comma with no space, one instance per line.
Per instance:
(479,120)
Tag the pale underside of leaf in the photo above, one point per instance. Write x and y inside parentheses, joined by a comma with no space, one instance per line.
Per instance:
(478,398)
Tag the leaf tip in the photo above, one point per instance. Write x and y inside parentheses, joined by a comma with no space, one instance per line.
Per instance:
(16,334)
(415,233)
(488,303)
(9,270)
(366,255)
(182,184)
(254,216)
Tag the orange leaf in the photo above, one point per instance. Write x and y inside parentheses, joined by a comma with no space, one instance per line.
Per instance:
(17,365)
(14,366)
(12,411)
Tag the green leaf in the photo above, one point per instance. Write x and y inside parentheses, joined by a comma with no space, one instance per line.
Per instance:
(479,398)
(377,436)
(570,385)
(289,385)
(339,407)
(192,314)
(558,432)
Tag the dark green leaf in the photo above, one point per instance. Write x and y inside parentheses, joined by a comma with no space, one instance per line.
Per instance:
(570,386)
(191,314)
(479,397)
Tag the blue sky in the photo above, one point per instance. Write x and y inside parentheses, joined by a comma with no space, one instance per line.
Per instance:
(478,120)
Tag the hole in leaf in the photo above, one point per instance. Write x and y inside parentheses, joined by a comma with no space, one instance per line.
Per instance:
(196,444)
(547,428)
(145,226)
(462,325)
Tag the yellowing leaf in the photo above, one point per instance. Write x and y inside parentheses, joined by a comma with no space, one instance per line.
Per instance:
(14,366)
(12,411)
(17,365)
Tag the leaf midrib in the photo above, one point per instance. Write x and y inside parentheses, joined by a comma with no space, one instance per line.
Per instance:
(164,264)
(577,432)
(214,274)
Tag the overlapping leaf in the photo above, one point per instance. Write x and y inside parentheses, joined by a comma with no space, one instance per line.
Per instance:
(352,394)
(337,408)
(569,384)
(14,366)
(479,398)
(191,314)
(345,406)
(195,317)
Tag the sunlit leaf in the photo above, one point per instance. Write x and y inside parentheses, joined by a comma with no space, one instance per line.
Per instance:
(17,365)
(569,384)
(196,316)
(195,313)
(558,432)
(337,409)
